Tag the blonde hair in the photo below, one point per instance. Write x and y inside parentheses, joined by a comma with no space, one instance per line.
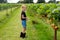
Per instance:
(23,6)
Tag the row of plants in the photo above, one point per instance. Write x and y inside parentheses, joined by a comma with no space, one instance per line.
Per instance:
(8,12)
(38,24)
(6,6)
(50,11)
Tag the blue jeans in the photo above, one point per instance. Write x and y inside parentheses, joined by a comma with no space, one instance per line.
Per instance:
(24,23)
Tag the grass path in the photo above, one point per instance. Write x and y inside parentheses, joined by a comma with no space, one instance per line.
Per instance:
(11,30)
(13,27)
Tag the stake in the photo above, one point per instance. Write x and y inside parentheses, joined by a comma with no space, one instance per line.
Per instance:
(55,34)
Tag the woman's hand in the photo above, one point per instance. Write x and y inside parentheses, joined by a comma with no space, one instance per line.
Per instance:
(27,19)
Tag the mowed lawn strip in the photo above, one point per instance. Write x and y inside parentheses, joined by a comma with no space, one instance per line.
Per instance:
(10,29)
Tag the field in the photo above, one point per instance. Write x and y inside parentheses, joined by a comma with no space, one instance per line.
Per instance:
(38,25)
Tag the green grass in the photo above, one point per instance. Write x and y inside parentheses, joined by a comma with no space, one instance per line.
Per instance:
(4,18)
(40,31)
(12,28)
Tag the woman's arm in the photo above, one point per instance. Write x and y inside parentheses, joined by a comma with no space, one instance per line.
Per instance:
(23,17)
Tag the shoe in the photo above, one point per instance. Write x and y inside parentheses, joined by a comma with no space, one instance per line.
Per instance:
(24,35)
(21,34)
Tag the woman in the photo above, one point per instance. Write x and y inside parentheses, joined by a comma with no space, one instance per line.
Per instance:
(23,19)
